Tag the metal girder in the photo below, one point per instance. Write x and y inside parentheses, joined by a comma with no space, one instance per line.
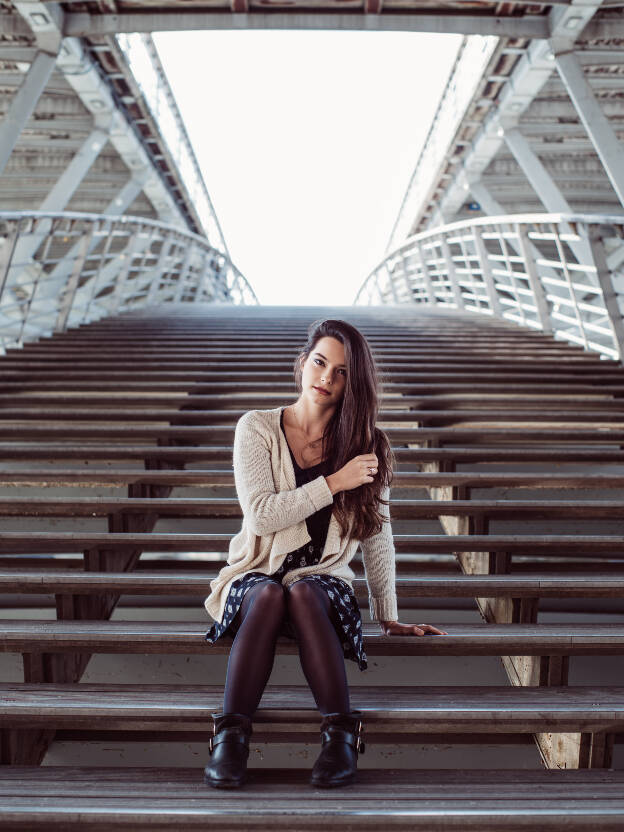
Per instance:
(83,24)
(531,72)
(56,200)
(23,103)
(605,28)
(82,75)
(542,182)
(539,178)
(596,123)
(76,171)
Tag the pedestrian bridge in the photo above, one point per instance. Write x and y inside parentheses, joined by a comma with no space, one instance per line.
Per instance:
(130,345)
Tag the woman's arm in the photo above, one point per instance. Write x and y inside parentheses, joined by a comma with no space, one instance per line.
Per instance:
(378,556)
(266,510)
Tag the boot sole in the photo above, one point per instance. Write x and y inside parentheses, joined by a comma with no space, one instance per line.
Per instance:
(321,784)
(225,784)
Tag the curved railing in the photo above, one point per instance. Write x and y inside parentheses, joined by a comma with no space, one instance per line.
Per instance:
(559,273)
(64,269)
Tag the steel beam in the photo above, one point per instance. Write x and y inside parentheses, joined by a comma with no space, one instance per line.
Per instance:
(543,184)
(56,200)
(44,292)
(540,180)
(23,103)
(75,171)
(532,71)
(83,24)
(597,125)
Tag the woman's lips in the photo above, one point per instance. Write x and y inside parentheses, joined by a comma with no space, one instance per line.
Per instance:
(322,391)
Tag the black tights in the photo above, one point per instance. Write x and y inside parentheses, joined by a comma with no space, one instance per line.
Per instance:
(253,649)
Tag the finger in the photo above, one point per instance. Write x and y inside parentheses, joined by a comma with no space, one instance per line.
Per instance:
(433,629)
(417,631)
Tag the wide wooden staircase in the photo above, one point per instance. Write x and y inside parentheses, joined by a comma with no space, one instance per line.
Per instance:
(117,502)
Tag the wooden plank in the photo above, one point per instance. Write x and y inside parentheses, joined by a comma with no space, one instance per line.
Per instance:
(523,436)
(210,477)
(161,799)
(447,457)
(219,507)
(595,416)
(417,382)
(188,637)
(413,709)
(586,546)
(167,582)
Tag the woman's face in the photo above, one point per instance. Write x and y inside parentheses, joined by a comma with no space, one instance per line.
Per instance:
(324,369)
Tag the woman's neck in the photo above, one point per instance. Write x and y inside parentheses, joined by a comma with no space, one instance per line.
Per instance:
(310,419)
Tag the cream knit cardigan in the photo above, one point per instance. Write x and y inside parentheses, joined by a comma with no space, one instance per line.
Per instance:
(274,512)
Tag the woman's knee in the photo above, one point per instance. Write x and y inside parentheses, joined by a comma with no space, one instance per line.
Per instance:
(306,593)
(269,597)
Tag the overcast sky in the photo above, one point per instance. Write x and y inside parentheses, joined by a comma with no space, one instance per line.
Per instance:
(306,141)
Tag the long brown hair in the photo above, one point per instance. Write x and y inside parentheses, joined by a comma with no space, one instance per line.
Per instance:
(352,429)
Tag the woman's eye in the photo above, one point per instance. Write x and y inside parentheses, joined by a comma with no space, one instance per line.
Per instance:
(319,361)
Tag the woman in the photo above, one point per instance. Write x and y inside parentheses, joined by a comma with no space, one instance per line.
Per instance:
(313,483)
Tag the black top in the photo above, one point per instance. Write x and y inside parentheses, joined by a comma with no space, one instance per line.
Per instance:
(317,523)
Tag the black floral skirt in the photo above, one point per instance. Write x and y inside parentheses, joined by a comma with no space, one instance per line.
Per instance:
(345,612)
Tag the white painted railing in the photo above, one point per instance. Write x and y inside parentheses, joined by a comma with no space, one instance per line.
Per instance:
(64,269)
(553,272)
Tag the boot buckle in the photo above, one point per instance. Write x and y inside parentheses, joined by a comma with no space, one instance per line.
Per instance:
(210,739)
(359,745)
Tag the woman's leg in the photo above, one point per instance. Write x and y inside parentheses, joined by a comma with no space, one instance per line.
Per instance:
(253,649)
(320,650)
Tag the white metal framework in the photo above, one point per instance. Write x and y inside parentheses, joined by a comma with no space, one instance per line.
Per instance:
(525,268)
(64,269)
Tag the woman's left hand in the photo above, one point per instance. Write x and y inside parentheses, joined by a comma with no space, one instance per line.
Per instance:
(395,628)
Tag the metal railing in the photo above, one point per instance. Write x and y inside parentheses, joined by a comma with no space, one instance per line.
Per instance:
(63,269)
(466,75)
(144,62)
(559,273)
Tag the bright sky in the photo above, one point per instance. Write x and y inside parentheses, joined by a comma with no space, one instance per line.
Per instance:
(306,141)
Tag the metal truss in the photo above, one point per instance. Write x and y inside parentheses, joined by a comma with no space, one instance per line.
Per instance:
(547,272)
(63,269)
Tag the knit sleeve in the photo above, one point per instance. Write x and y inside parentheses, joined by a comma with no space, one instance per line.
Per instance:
(378,556)
(265,510)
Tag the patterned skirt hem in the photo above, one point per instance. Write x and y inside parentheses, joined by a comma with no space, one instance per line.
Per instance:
(351,640)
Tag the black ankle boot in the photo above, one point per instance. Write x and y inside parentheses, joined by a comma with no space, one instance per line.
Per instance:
(341,738)
(229,747)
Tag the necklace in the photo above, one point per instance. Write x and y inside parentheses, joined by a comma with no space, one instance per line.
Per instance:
(309,443)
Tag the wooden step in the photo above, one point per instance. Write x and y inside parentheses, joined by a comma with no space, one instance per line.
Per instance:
(223,453)
(225,433)
(216,507)
(417,382)
(160,799)
(585,395)
(210,477)
(586,546)
(425,416)
(404,711)
(168,582)
(164,637)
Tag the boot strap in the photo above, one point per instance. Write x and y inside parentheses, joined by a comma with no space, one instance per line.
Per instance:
(228,735)
(340,734)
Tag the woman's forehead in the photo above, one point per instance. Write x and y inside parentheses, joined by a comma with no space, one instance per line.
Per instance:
(331,348)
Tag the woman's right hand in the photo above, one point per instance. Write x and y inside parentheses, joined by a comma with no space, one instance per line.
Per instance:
(359,470)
